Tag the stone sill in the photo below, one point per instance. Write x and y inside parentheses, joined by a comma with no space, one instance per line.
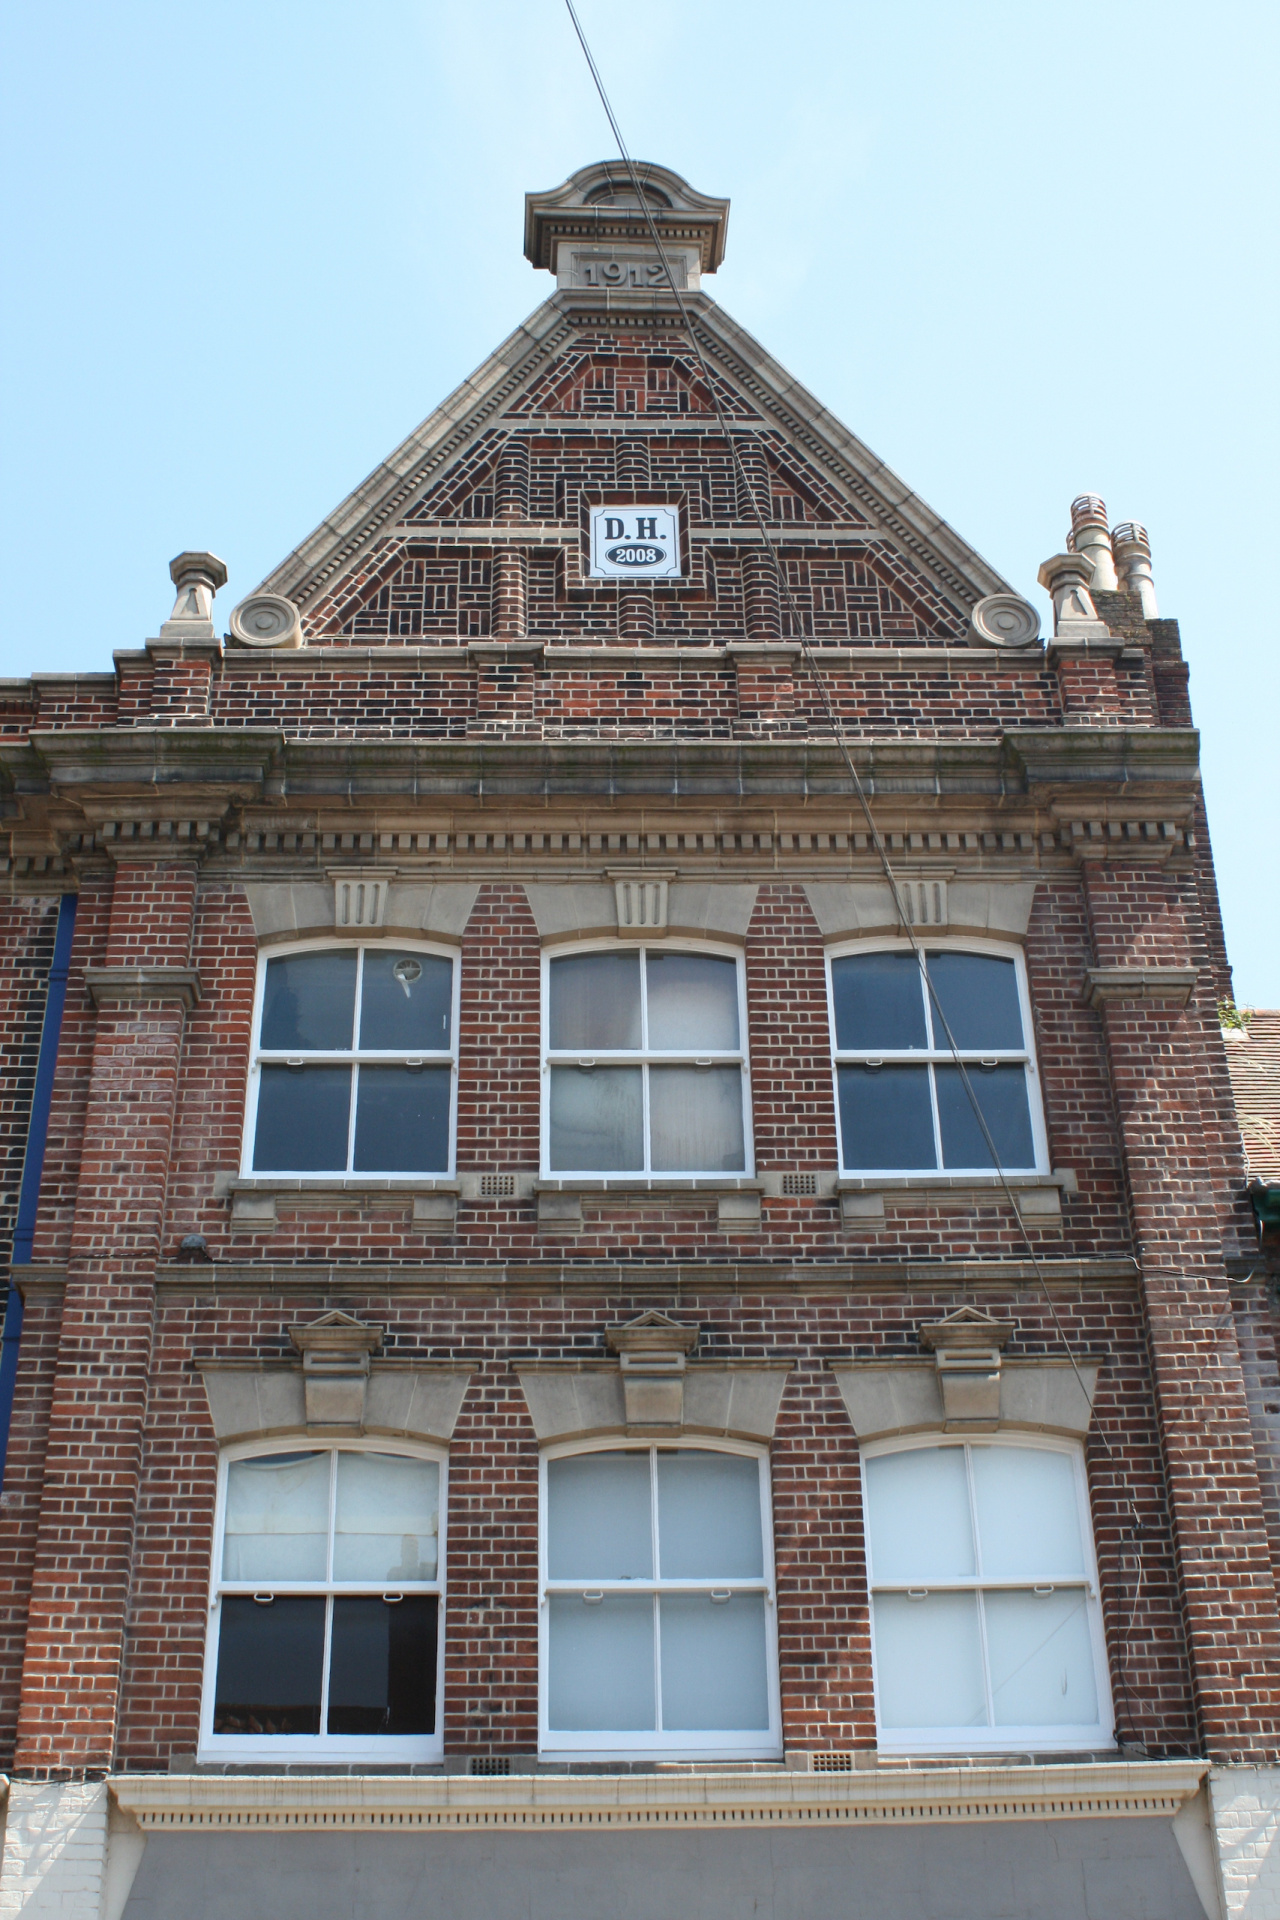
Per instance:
(1062,1178)
(660,1183)
(1037,1196)
(255,1199)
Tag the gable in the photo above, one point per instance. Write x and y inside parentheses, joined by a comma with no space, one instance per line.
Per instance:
(584,404)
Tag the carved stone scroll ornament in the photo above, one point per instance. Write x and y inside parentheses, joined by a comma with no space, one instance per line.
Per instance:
(335,1368)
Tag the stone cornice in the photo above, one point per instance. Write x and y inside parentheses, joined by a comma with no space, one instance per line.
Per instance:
(670,1279)
(783,1796)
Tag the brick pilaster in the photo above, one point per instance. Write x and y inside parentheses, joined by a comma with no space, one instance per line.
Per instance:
(1160,1070)
(81,1579)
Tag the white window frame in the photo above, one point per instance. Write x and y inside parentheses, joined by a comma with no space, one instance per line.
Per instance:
(997,1739)
(936,1056)
(645,1057)
(350,1056)
(658,1745)
(389,1748)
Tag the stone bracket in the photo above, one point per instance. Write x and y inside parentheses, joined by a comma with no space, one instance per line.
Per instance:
(1173,984)
(122,986)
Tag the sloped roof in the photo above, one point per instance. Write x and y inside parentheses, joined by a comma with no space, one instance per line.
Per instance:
(1253,1059)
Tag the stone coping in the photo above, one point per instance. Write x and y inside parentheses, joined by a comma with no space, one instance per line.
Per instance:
(863,1796)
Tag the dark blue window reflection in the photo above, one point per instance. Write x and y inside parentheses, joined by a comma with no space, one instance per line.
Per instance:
(402,1120)
(1001,1093)
(309,1002)
(886,1119)
(406,1002)
(879,1002)
(302,1120)
(978,993)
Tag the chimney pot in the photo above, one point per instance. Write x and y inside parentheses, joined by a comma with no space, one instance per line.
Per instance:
(1132,550)
(1091,537)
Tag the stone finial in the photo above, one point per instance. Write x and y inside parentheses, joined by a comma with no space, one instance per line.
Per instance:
(968,1348)
(1067,578)
(1132,551)
(335,1368)
(197,576)
(652,1351)
(1091,536)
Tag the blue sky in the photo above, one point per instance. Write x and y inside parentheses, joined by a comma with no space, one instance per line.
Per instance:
(1023,250)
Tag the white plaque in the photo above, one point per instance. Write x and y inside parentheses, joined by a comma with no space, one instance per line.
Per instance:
(635,543)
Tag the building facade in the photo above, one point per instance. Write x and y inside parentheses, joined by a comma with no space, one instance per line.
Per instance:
(597,1322)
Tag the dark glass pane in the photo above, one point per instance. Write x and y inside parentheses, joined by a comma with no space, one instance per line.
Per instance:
(1001,1092)
(595,1001)
(302,1120)
(979,996)
(382,1669)
(885,1118)
(310,1000)
(270,1662)
(402,1120)
(879,1002)
(406,1001)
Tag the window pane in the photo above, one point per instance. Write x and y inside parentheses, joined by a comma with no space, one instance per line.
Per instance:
(693,1001)
(596,1120)
(713,1662)
(302,1120)
(309,1000)
(918,1525)
(979,996)
(600,1674)
(929,1660)
(885,1118)
(695,1120)
(277,1525)
(879,1002)
(402,1120)
(382,1667)
(406,1001)
(599,1522)
(1028,1519)
(595,1001)
(270,1662)
(708,1517)
(1001,1092)
(1041,1659)
(388,1518)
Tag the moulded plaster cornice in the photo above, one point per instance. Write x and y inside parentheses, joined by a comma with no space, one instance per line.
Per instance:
(1112,1789)
(316,567)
